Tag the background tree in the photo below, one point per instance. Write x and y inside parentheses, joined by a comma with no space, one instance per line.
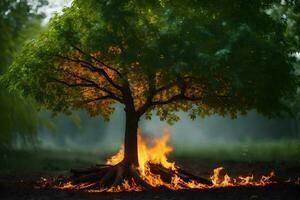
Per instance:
(164,56)
(291,16)
(18,21)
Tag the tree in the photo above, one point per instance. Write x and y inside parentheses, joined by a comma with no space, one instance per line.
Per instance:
(165,56)
(291,15)
(19,20)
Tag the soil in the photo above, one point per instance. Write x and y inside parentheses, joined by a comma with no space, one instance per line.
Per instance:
(271,192)
(21,186)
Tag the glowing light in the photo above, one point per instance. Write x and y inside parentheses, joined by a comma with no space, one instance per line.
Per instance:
(156,153)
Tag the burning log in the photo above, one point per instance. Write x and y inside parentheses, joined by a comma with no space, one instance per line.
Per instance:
(154,171)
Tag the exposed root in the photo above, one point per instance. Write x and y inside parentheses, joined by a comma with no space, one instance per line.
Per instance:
(119,177)
(138,179)
(167,174)
(108,177)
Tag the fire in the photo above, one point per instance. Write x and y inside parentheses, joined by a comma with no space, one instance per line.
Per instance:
(156,153)
(227,181)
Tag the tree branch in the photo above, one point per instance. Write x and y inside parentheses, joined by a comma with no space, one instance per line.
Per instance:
(92,68)
(87,65)
(152,92)
(91,85)
(176,98)
(73,84)
(182,83)
(99,61)
(97,99)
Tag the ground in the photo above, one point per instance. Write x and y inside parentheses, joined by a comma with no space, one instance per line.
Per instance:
(20,170)
(273,192)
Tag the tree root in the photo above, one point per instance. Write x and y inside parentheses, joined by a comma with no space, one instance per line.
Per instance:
(108,176)
(167,174)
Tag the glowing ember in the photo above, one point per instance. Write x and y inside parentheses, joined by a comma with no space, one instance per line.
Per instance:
(156,153)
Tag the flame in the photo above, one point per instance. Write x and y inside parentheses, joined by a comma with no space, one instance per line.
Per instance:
(156,153)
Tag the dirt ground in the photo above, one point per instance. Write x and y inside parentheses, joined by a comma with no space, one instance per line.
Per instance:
(271,192)
(18,185)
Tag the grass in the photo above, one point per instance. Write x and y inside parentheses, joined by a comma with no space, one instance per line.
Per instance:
(22,162)
(274,151)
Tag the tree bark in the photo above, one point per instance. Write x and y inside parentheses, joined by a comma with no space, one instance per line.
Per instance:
(131,143)
(110,176)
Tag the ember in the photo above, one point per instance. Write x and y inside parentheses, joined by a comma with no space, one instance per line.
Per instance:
(155,154)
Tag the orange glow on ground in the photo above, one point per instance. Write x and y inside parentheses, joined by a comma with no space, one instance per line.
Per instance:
(156,153)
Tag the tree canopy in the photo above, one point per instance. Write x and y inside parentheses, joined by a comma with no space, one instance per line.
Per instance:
(201,57)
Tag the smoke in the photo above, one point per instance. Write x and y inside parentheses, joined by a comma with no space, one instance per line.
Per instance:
(251,126)
(96,135)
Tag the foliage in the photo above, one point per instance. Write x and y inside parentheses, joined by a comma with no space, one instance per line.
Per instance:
(18,21)
(291,16)
(201,57)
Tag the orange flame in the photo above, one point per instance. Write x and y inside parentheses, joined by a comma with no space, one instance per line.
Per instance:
(157,154)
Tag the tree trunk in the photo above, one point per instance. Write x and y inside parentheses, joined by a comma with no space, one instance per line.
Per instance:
(131,145)
(108,176)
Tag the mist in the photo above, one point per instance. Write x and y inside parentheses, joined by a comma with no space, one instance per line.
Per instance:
(83,133)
